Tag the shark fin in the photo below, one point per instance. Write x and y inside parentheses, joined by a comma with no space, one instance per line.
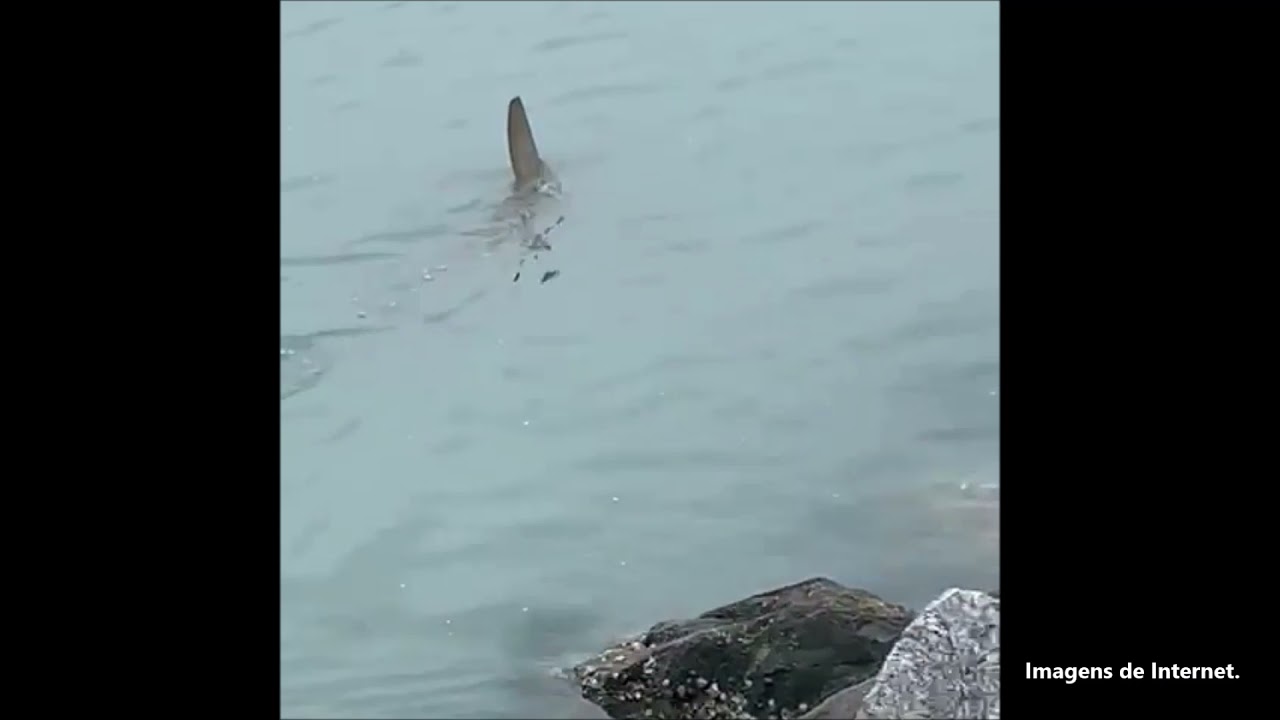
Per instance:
(526,165)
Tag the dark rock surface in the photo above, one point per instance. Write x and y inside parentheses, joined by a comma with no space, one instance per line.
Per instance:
(844,705)
(772,655)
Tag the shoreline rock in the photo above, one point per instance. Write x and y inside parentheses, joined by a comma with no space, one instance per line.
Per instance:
(809,651)
(945,665)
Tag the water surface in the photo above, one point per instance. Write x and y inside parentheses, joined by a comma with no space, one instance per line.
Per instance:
(772,350)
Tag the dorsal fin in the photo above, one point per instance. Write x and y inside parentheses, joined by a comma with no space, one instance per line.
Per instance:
(526,165)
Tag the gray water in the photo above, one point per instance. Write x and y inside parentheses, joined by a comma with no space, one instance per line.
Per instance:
(772,350)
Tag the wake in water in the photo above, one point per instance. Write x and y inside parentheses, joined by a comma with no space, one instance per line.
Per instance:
(534,189)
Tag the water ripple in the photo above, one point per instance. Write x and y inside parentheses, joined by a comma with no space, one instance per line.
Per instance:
(403,59)
(303,360)
(959,435)
(312,28)
(961,317)
(404,236)
(568,41)
(981,125)
(788,233)
(614,461)
(840,286)
(675,365)
(342,432)
(440,316)
(935,379)
(785,71)
(695,246)
(595,92)
(934,180)
(304,182)
(339,259)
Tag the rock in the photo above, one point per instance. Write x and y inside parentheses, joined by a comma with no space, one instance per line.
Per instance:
(946,665)
(842,705)
(582,709)
(762,657)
